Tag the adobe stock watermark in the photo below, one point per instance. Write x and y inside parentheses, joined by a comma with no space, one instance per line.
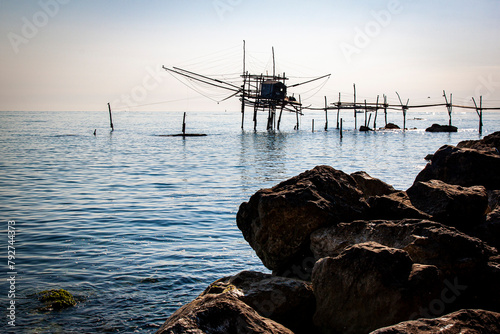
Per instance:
(487,86)
(437,306)
(153,79)
(372,29)
(31,27)
(224,6)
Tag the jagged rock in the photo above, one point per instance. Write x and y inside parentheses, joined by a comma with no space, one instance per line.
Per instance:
(463,321)
(463,166)
(369,286)
(453,205)
(453,252)
(277,222)
(441,128)
(391,126)
(219,313)
(287,301)
(371,186)
(363,128)
(393,206)
(490,143)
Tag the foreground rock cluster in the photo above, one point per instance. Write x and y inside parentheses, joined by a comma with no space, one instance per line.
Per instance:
(350,254)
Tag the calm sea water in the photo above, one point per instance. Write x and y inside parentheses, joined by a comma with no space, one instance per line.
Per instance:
(136,225)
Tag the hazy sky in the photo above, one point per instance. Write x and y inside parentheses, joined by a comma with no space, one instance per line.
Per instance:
(80,55)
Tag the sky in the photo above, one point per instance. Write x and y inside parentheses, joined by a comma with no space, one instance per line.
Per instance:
(75,55)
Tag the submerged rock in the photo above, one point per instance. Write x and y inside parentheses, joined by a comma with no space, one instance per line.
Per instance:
(391,126)
(463,321)
(56,299)
(442,128)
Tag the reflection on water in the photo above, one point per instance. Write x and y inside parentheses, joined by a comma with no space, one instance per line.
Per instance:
(135,225)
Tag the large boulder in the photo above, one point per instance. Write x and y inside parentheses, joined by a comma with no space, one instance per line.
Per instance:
(371,186)
(453,252)
(277,222)
(490,143)
(396,205)
(219,314)
(453,205)
(463,166)
(463,321)
(287,301)
(369,286)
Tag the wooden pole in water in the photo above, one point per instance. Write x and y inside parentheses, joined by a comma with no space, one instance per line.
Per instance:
(341,128)
(281,112)
(385,109)
(355,116)
(184,124)
(366,113)
(326,114)
(243,89)
(338,112)
(479,112)
(375,118)
(405,108)
(297,113)
(449,106)
(110,118)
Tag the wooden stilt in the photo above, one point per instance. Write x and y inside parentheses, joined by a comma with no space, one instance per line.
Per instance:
(366,113)
(313,125)
(449,106)
(355,111)
(326,114)
(338,111)
(341,121)
(479,111)
(243,90)
(405,108)
(375,118)
(184,124)
(385,109)
(110,118)
(279,118)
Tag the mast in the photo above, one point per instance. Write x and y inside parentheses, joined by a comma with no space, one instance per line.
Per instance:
(274,64)
(243,89)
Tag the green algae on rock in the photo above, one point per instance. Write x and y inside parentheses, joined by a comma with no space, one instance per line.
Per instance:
(56,299)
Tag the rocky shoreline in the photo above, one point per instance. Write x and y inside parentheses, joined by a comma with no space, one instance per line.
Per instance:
(350,254)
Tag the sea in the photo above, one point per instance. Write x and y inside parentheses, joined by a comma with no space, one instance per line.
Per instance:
(135,224)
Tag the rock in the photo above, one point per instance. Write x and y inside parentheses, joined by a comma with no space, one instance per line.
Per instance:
(452,205)
(489,230)
(219,313)
(453,252)
(391,126)
(277,222)
(371,186)
(56,299)
(287,301)
(441,128)
(463,321)
(363,128)
(490,143)
(429,157)
(393,206)
(369,286)
(463,166)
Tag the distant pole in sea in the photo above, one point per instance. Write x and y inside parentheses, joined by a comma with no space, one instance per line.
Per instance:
(326,114)
(110,118)
(355,116)
(449,106)
(341,121)
(184,124)
(479,111)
